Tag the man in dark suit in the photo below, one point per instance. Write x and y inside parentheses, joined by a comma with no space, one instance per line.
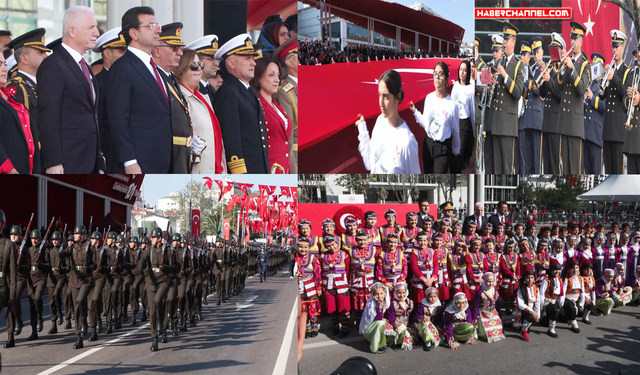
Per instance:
(477,217)
(67,99)
(112,46)
(501,217)
(239,110)
(29,52)
(138,101)
(423,212)
(206,48)
(167,56)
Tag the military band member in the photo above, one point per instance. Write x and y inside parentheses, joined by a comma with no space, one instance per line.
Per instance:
(504,127)
(525,56)
(572,85)
(613,131)
(533,115)
(632,137)
(497,47)
(550,124)
(594,110)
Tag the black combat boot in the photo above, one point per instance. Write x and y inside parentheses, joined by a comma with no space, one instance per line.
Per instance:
(11,341)
(154,345)
(34,334)
(54,328)
(79,344)
(40,323)
(94,334)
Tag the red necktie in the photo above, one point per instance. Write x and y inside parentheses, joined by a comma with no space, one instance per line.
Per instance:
(85,70)
(153,65)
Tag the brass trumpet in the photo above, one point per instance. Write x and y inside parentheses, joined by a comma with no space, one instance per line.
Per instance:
(538,81)
(605,82)
(636,78)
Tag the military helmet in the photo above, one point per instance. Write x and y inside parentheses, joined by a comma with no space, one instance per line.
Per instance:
(176,237)
(96,236)
(112,235)
(3,218)
(36,233)
(16,230)
(145,240)
(56,235)
(80,229)
(70,238)
(120,238)
(192,241)
(134,239)
(156,232)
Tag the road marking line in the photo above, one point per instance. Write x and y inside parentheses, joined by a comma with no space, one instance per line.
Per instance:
(246,303)
(330,342)
(281,362)
(89,352)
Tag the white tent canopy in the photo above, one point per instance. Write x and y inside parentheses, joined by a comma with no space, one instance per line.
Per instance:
(621,188)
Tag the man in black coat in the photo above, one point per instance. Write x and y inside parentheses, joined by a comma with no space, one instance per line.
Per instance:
(423,213)
(112,46)
(501,217)
(478,217)
(67,99)
(138,102)
(239,110)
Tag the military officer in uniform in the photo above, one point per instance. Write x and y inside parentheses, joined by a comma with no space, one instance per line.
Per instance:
(218,270)
(632,137)
(206,48)
(477,59)
(533,114)
(287,94)
(447,213)
(497,47)
(29,51)
(56,280)
(594,110)
(504,127)
(550,124)
(613,131)
(571,85)
(112,46)
(525,56)
(239,110)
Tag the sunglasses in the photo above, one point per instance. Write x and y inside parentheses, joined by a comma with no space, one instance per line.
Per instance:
(174,48)
(196,65)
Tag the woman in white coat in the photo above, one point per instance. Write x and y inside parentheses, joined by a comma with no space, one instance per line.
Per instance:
(205,123)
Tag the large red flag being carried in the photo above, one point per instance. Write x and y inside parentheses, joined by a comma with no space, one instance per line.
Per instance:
(195,223)
(226,227)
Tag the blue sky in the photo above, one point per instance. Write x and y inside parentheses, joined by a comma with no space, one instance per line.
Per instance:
(158,186)
(459,12)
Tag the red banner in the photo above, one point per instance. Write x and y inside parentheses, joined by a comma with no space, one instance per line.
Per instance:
(195,223)
(342,91)
(226,227)
(317,212)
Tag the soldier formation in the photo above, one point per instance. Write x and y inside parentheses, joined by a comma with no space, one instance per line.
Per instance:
(110,275)
(571,115)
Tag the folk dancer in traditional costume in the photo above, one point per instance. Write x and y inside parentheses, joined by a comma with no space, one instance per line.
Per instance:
(426,318)
(458,322)
(509,276)
(441,255)
(371,219)
(589,284)
(611,251)
(363,262)
(398,315)
(309,288)
(606,296)
(475,266)
(457,266)
(329,230)
(335,286)
(552,296)
(485,310)
(574,294)
(348,239)
(542,261)
(528,302)
(373,325)
(304,228)
(391,227)
(620,284)
(424,266)
(527,255)
(391,264)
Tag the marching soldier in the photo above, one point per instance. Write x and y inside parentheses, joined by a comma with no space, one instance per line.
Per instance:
(632,137)
(504,127)
(172,293)
(525,56)
(109,269)
(95,300)
(80,279)
(205,264)
(68,299)
(226,266)
(184,285)
(37,282)
(29,51)
(613,131)
(127,278)
(56,280)
(19,282)
(263,263)
(571,85)
(594,110)
(218,269)
(196,276)
(550,124)
(497,47)
(8,247)
(533,115)
(137,284)
(100,300)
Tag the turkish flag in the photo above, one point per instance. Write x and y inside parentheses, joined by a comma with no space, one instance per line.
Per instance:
(226,226)
(599,19)
(195,223)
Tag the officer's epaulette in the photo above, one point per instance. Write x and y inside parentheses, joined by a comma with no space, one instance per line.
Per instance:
(288,87)
(17,80)
(584,56)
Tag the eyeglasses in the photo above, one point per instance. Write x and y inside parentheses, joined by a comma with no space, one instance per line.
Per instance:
(174,48)
(438,75)
(196,65)
(153,26)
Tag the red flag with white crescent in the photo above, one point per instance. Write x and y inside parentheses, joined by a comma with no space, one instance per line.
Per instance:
(599,18)
(195,223)
(226,227)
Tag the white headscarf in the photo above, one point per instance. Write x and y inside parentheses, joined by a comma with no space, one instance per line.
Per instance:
(616,270)
(607,271)
(370,310)
(398,286)
(453,309)
(488,275)
(431,305)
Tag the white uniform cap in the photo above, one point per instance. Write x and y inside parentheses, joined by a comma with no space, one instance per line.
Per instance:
(111,38)
(239,45)
(207,45)
(11,63)
(558,38)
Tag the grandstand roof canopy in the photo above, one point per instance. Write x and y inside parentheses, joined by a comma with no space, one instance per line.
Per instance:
(392,15)
(621,188)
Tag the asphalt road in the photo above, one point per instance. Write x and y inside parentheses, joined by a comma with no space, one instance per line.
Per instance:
(253,333)
(609,345)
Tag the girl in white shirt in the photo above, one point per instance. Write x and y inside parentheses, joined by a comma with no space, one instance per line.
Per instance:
(440,119)
(463,95)
(392,148)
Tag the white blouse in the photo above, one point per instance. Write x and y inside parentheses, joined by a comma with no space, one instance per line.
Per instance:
(441,120)
(464,97)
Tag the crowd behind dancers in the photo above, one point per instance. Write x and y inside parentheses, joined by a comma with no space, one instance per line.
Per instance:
(448,282)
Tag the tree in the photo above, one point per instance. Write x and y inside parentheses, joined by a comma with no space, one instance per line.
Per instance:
(307,184)
(382,194)
(357,183)
(444,184)
(631,8)
(402,185)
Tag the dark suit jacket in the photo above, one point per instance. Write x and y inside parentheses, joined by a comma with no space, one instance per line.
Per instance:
(494,220)
(139,117)
(480,226)
(209,90)
(13,144)
(420,221)
(243,127)
(67,115)
(105,135)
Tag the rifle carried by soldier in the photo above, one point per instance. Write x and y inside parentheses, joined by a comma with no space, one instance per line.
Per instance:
(24,240)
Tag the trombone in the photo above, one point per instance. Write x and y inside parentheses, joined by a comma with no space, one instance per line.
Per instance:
(538,81)
(636,79)
(605,82)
